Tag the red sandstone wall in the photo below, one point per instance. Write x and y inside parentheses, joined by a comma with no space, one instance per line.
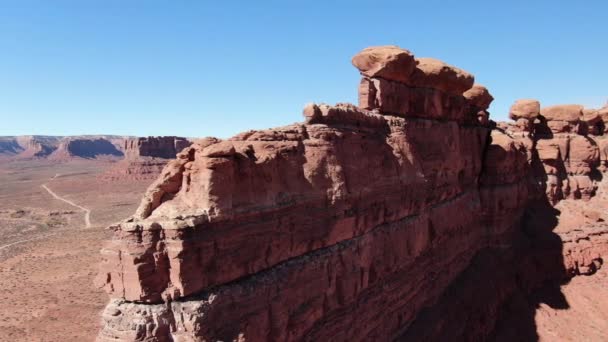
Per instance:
(346,226)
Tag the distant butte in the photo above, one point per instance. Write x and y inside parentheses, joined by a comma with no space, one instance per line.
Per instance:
(137,158)
(60,148)
(146,157)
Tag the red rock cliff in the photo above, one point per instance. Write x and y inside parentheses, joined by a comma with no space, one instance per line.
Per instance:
(362,223)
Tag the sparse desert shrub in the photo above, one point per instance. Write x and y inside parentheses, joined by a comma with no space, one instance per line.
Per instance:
(55,221)
(18,213)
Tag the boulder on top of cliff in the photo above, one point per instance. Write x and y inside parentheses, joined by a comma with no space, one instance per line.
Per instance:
(525,109)
(395,85)
(206,141)
(571,113)
(479,96)
(433,73)
(592,122)
(389,62)
(591,116)
(603,114)
(563,118)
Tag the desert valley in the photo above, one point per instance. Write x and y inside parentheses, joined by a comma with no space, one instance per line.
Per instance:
(57,197)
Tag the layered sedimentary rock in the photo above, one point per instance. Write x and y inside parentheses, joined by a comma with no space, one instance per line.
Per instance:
(567,144)
(361,223)
(37,146)
(157,147)
(146,157)
(27,147)
(61,147)
(565,141)
(9,147)
(85,148)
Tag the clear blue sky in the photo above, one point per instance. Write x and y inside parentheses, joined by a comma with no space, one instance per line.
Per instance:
(199,68)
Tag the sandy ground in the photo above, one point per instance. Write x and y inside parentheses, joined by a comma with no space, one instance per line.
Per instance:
(586,315)
(48,256)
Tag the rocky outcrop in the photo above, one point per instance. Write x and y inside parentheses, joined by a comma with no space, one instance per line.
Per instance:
(145,157)
(383,221)
(565,142)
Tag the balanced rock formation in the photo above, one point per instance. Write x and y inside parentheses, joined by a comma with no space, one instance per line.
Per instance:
(404,218)
(146,157)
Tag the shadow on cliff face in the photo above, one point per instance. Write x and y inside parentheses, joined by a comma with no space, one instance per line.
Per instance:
(497,296)
(540,273)
(538,263)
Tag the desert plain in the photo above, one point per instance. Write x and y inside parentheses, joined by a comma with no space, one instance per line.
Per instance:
(48,255)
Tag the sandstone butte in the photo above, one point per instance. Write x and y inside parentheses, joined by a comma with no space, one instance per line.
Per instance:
(145,157)
(409,217)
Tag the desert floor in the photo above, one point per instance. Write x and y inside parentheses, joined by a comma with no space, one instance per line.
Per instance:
(48,255)
(585,316)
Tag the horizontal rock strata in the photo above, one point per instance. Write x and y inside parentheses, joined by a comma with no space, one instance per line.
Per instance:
(146,157)
(361,223)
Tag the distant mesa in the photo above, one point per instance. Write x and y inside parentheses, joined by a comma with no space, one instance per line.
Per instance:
(138,157)
(146,157)
(92,148)
(61,148)
(155,147)
(9,147)
(25,147)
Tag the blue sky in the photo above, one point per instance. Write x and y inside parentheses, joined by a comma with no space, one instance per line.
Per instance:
(215,68)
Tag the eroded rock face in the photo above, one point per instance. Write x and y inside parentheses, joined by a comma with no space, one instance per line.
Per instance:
(361,223)
(566,141)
